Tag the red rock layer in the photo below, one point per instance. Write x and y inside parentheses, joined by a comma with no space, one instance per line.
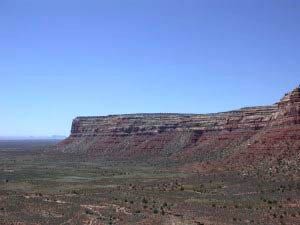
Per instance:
(245,134)
(279,142)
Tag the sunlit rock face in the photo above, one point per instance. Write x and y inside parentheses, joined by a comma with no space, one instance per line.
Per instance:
(188,137)
(288,112)
(252,118)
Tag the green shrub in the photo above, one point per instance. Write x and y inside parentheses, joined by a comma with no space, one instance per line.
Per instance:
(155,211)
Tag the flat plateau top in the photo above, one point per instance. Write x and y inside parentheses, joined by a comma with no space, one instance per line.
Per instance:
(142,115)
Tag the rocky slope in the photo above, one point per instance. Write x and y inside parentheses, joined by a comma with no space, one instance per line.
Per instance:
(246,134)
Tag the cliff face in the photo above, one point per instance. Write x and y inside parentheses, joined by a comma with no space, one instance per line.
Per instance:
(187,137)
(288,112)
(138,124)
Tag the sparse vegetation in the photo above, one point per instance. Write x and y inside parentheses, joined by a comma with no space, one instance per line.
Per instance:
(67,188)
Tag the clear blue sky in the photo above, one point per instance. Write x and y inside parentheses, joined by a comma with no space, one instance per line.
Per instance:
(65,58)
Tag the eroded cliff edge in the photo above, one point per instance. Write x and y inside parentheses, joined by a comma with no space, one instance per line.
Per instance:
(251,134)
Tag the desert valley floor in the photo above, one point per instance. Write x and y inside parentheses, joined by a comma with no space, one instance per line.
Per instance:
(43,188)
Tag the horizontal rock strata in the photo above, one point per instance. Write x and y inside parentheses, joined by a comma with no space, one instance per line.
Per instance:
(248,118)
(235,134)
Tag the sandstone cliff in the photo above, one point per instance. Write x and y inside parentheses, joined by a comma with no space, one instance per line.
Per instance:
(246,134)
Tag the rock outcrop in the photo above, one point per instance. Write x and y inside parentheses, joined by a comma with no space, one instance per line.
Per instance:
(288,112)
(277,146)
(191,137)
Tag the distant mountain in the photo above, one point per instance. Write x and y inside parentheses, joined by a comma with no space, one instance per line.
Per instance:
(58,137)
(53,137)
